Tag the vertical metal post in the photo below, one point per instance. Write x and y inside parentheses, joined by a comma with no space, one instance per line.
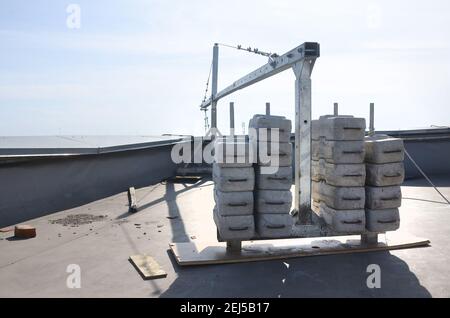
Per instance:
(215,66)
(302,195)
(372,119)
(369,239)
(268,109)
(231,118)
(234,246)
(336,109)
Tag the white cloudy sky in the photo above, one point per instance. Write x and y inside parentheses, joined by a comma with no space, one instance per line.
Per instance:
(140,67)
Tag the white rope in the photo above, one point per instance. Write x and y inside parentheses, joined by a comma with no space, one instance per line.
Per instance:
(249,49)
(425,176)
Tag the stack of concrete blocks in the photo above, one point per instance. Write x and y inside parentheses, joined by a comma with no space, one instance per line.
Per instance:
(273,198)
(234,180)
(338,172)
(384,174)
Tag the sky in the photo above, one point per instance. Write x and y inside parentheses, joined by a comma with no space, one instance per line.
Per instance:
(136,67)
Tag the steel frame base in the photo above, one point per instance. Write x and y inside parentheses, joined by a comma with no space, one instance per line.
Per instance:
(207,253)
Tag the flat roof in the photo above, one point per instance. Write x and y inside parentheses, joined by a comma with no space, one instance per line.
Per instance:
(426,133)
(177,212)
(22,146)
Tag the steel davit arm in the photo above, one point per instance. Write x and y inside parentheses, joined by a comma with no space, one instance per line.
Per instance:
(275,66)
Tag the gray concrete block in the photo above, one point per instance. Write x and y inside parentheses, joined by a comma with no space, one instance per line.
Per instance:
(233,203)
(273,201)
(342,221)
(238,227)
(383,149)
(267,154)
(340,127)
(346,175)
(283,125)
(382,220)
(233,162)
(339,198)
(280,180)
(233,179)
(338,151)
(383,197)
(233,152)
(387,174)
(315,205)
(229,138)
(274,225)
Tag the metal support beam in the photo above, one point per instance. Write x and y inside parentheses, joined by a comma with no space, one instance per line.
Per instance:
(301,59)
(302,195)
(369,239)
(275,66)
(372,119)
(215,66)
(231,118)
(234,246)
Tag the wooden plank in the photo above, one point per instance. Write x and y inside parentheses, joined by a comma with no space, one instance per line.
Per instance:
(7,229)
(132,200)
(201,253)
(147,267)
(24,231)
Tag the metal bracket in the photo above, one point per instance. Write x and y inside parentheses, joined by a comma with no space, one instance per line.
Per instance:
(234,246)
(307,50)
(369,239)
(301,59)
(302,195)
(213,99)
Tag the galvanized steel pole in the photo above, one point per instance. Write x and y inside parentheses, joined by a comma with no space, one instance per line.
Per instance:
(215,67)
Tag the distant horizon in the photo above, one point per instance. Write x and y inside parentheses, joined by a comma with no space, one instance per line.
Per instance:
(140,68)
(202,135)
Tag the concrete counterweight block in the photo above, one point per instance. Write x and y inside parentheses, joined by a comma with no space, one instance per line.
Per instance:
(273,201)
(265,124)
(341,127)
(233,179)
(274,154)
(344,175)
(233,203)
(233,152)
(383,197)
(342,221)
(338,151)
(383,149)
(382,220)
(235,162)
(339,198)
(274,225)
(280,180)
(387,174)
(238,227)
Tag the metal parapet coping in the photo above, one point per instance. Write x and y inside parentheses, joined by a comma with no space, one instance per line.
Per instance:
(48,152)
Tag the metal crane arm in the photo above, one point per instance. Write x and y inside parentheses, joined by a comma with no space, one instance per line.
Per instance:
(275,66)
